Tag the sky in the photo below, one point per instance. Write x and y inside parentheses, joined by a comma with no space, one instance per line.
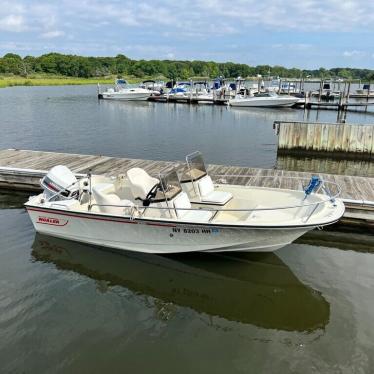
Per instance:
(304,33)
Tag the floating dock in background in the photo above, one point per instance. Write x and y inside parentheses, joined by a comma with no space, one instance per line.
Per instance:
(22,170)
(336,139)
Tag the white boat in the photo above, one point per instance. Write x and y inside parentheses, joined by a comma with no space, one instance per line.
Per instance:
(123,91)
(365,90)
(327,92)
(173,214)
(201,92)
(155,87)
(265,99)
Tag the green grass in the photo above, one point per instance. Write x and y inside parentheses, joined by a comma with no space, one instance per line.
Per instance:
(53,80)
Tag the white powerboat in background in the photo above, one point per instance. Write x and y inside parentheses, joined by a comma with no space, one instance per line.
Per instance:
(263,99)
(177,213)
(365,90)
(181,90)
(155,87)
(327,92)
(123,91)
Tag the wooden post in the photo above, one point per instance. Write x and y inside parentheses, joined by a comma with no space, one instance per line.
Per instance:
(340,102)
(348,92)
(191,88)
(320,90)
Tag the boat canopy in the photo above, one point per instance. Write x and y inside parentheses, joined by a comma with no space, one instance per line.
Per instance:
(326,86)
(121,81)
(177,89)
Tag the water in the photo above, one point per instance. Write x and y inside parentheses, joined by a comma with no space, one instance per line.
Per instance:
(71,119)
(69,307)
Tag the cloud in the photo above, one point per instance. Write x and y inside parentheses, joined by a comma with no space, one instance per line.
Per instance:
(250,31)
(13,23)
(292,46)
(354,53)
(52,34)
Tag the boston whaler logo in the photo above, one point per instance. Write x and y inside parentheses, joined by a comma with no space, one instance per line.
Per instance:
(52,221)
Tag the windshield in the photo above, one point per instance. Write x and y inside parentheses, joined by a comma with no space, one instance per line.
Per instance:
(195,168)
(170,184)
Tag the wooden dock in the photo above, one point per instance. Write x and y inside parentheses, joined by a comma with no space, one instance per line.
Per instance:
(336,139)
(22,170)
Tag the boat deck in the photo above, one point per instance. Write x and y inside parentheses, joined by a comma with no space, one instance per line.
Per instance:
(22,169)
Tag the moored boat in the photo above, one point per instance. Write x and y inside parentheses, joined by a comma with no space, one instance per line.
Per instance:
(124,92)
(177,213)
(264,99)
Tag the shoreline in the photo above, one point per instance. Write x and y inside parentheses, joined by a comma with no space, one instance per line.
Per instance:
(6,81)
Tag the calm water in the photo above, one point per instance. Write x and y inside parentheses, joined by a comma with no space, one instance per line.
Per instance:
(71,119)
(69,307)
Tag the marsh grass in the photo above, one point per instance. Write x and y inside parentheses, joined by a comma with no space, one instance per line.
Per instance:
(54,80)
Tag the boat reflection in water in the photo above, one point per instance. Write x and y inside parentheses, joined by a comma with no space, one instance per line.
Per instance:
(251,288)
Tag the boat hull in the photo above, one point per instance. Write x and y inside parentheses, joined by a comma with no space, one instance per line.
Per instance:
(160,237)
(137,96)
(263,102)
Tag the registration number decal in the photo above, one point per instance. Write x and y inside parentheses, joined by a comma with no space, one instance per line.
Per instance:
(177,230)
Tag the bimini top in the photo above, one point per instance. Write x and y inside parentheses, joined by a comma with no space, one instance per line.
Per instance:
(121,81)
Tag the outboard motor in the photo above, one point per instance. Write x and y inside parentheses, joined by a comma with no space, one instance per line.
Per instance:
(60,184)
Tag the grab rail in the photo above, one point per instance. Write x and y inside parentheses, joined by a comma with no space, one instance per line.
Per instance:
(141,209)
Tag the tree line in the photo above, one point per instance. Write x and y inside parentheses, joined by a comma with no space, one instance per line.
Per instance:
(88,67)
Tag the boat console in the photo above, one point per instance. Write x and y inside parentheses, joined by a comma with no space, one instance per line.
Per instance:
(199,185)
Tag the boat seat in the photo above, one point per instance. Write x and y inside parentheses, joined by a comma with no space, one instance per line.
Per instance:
(141,183)
(209,195)
(103,194)
(182,201)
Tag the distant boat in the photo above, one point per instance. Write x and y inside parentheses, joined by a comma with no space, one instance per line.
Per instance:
(287,87)
(266,99)
(365,90)
(154,86)
(180,91)
(202,93)
(122,91)
(276,85)
(327,92)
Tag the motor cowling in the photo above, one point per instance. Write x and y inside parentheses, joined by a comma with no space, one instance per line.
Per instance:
(60,183)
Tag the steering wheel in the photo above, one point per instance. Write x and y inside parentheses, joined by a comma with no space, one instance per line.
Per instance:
(152,193)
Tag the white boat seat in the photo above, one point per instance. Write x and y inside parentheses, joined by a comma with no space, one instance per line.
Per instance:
(209,195)
(141,183)
(182,201)
(103,194)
